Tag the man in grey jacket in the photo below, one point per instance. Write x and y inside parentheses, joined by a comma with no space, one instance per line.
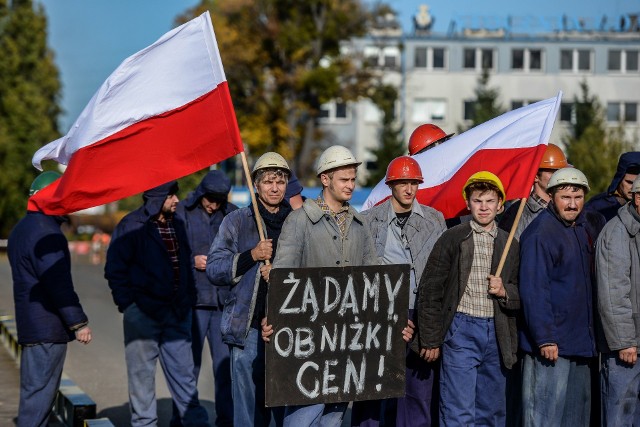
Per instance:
(404,232)
(618,284)
(325,232)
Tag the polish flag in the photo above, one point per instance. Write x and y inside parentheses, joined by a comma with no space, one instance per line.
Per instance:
(164,113)
(511,146)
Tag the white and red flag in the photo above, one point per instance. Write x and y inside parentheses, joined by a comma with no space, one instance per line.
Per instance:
(164,113)
(511,146)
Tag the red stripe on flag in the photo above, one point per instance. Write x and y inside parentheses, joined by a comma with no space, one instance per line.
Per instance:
(515,167)
(146,154)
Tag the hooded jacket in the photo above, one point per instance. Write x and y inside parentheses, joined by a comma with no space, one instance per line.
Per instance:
(202,228)
(138,266)
(609,202)
(556,282)
(47,308)
(618,278)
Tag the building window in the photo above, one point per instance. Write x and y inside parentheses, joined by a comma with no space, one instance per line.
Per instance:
(623,61)
(336,111)
(526,59)
(432,58)
(420,57)
(426,110)
(438,58)
(575,60)
(478,59)
(566,112)
(469,110)
(626,112)
(516,104)
(372,56)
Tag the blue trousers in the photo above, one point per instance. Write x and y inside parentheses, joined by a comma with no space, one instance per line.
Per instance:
(148,340)
(620,391)
(247,379)
(318,415)
(40,372)
(206,325)
(471,367)
(556,394)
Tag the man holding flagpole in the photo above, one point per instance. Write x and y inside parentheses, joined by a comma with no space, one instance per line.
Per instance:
(467,314)
(238,259)
(149,272)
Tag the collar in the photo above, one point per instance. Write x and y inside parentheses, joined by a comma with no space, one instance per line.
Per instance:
(416,208)
(327,210)
(477,228)
(539,200)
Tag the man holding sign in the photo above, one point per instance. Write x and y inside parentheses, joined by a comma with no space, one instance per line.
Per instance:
(326,232)
(468,313)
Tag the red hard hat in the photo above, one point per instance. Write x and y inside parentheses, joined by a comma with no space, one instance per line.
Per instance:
(553,158)
(424,136)
(403,167)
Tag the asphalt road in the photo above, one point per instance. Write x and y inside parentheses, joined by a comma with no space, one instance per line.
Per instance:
(99,367)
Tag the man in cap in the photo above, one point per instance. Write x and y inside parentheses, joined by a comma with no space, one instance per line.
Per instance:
(202,213)
(149,272)
(552,160)
(48,311)
(325,232)
(619,192)
(467,314)
(618,282)
(237,258)
(404,232)
(556,266)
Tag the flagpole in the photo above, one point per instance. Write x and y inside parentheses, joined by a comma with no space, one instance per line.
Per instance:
(512,233)
(256,212)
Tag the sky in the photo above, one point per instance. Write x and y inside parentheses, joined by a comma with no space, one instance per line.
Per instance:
(90,38)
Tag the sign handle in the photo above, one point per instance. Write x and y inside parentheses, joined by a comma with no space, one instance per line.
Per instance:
(503,258)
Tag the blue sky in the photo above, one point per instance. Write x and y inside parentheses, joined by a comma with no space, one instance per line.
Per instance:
(91,38)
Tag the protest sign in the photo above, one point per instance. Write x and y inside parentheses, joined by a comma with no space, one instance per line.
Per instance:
(337,334)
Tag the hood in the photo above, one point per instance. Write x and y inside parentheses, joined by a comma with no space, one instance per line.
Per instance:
(155,197)
(627,160)
(293,187)
(214,182)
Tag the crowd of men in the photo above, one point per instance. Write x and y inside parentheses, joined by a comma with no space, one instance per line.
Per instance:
(488,342)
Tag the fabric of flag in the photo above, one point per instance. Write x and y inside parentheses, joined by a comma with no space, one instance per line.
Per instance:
(164,113)
(511,146)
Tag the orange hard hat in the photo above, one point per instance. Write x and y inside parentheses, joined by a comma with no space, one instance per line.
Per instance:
(425,136)
(553,158)
(403,167)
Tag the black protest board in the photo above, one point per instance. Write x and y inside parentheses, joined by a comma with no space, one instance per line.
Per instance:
(337,334)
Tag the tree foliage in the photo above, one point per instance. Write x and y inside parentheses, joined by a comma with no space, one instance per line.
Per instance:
(283,60)
(391,142)
(29,108)
(591,147)
(486,105)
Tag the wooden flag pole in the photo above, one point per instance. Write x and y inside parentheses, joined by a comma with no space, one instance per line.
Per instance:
(503,258)
(254,202)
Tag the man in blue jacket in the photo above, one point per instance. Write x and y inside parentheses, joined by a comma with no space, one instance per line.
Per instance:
(149,272)
(48,311)
(237,259)
(619,192)
(556,286)
(202,213)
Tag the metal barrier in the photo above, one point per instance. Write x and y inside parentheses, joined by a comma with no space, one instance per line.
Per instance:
(72,406)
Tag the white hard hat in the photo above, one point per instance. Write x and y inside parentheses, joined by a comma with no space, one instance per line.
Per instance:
(635,187)
(568,176)
(270,160)
(334,157)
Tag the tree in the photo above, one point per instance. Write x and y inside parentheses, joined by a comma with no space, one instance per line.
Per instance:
(391,142)
(283,60)
(29,102)
(486,105)
(591,147)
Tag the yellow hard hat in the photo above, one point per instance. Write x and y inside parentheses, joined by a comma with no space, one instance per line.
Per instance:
(484,176)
